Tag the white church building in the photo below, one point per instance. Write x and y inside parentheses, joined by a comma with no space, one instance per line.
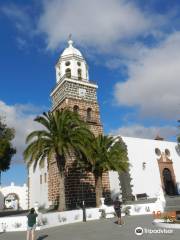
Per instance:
(154,164)
(145,156)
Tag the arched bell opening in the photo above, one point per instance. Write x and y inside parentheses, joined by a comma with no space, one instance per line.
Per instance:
(68,73)
(75,109)
(89,115)
(79,71)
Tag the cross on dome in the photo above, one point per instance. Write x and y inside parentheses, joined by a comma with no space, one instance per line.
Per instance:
(70,49)
(70,41)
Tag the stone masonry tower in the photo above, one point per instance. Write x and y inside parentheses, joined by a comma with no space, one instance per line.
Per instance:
(73,90)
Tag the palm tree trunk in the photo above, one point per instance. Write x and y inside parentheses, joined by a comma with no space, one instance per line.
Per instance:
(62,199)
(98,189)
(62,202)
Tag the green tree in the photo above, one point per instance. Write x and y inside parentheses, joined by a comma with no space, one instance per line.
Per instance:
(6,148)
(178,137)
(62,133)
(101,154)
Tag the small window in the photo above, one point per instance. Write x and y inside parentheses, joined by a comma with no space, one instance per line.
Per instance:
(45,177)
(79,63)
(79,74)
(142,196)
(157,151)
(144,165)
(89,113)
(68,73)
(75,109)
(167,152)
(67,63)
(40,179)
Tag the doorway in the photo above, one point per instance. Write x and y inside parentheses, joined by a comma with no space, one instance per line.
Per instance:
(168,182)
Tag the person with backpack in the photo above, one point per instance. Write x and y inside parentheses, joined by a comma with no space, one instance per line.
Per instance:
(31,224)
(117,209)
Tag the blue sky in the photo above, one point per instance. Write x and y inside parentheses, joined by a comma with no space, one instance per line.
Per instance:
(131,47)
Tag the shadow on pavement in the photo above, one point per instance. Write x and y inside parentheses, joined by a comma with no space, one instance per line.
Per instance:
(42,237)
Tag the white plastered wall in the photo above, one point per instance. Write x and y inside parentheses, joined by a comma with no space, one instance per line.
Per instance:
(38,192)
(114,184)
(61,68)
(145,180)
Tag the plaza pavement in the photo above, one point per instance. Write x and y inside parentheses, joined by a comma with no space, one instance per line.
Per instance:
(105,229)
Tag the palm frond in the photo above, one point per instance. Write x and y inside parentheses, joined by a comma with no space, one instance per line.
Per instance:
(62,133)
(103,153)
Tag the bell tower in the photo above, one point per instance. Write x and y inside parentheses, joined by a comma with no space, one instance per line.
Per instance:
(75,91)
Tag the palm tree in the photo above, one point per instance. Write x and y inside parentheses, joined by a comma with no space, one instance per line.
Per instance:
(61,134)
(101,154)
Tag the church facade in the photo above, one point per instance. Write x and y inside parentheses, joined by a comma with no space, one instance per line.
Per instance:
(76,92)
(153,167)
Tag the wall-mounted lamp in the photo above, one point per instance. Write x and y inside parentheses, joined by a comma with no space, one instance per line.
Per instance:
(144,165)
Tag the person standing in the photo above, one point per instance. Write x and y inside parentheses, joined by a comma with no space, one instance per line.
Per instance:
(117,208)
(31,224)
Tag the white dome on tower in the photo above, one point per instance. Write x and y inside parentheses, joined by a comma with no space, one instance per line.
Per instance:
(70,50)
(72,65)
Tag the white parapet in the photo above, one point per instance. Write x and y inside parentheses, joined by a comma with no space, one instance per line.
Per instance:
(47,220)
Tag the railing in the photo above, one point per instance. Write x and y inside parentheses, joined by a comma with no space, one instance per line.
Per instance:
(71,56)
(74,78)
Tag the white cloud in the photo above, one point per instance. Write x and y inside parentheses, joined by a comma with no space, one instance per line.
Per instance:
(23,22)
(94,23)
(19,16)
(154,81)
(21,118)
(146,132)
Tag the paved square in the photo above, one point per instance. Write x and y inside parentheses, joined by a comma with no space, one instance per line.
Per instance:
(98,230)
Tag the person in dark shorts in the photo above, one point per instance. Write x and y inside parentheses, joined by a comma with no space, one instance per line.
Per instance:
(31,226)
(117,209)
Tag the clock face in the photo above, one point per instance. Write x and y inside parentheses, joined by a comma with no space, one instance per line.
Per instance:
(82,92)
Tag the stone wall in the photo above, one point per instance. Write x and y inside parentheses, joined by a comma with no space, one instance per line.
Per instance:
(71,89)
(79,185)
(83,106)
